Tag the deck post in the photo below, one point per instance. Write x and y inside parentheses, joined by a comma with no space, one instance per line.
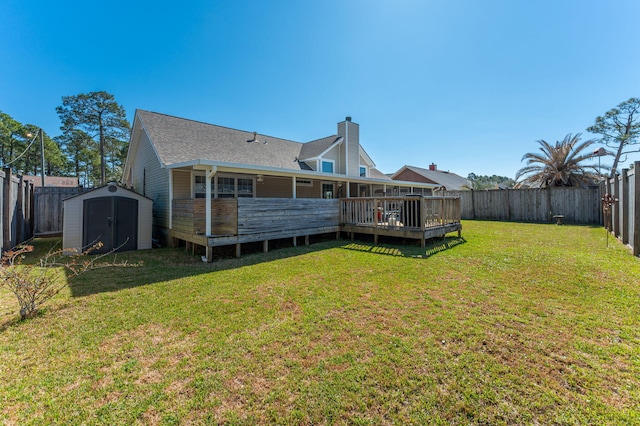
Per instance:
(209,254)
(306,240)
(238,250)
(295,241)
(265,246)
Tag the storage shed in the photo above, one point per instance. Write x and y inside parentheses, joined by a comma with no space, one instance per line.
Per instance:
(119,218)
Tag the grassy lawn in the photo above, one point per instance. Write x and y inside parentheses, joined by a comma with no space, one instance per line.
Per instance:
(515,324)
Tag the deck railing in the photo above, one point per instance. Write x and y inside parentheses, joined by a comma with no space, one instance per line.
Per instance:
(416,213)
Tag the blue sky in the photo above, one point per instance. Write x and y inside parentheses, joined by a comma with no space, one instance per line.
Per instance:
(469,85)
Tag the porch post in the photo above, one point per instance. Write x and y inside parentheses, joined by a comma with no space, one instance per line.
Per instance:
(170,198)
(293,190)
(209,174)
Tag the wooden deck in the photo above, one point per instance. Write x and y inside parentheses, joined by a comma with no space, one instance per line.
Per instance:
(419,218)
(235,221)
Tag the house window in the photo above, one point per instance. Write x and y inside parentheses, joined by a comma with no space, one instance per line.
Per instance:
(304,182)
(245,187)
(327,190)
(226,187)
(327,166)
(363,171)
(199,188)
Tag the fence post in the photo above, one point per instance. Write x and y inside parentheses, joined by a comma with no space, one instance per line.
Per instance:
(19,211)
(473,205)
(6,210)
(508,205)
(614,210)
(636,211)
(624,205)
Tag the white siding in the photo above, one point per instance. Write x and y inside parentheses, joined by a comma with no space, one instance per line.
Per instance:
(151,180)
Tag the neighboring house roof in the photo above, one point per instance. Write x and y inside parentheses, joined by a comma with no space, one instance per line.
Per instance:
(450,181)
(377,174)
(60,181)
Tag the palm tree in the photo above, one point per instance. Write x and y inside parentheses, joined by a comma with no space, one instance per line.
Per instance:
(559,164)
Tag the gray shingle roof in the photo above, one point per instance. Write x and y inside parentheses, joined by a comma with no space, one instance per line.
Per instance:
(314,148)
(450,181)
(377,174)
(179,140)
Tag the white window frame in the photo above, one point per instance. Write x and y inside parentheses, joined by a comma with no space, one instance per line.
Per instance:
(366,170)
(333,165)
(214,184)
(194,176)
(333,189)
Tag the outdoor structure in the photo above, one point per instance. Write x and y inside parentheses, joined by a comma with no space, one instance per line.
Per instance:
(412,217)
(442,179)
(118,218)
(213,186)
(55,181)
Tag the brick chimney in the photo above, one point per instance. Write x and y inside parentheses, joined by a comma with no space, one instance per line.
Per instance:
(433,166)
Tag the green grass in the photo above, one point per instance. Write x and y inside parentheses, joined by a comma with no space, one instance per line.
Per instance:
(515,324)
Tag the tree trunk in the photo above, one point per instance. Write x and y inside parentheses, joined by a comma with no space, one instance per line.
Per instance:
(616,160)
(102,166)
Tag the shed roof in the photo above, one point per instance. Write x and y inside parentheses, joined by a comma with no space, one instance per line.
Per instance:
(106,190)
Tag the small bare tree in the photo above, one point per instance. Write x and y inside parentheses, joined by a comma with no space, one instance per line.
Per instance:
(34,284)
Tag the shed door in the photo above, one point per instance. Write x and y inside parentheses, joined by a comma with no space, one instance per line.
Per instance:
(112,221)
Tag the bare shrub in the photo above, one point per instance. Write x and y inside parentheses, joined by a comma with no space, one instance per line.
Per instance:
(34,284)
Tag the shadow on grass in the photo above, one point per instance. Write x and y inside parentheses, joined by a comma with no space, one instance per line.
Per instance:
(167,264)
(432,248)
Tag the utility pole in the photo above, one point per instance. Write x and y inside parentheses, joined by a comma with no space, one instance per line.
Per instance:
(42,154)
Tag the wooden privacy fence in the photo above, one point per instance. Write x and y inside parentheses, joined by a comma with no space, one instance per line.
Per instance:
(16,214)
(624,220)
(577,205)
(48,208)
